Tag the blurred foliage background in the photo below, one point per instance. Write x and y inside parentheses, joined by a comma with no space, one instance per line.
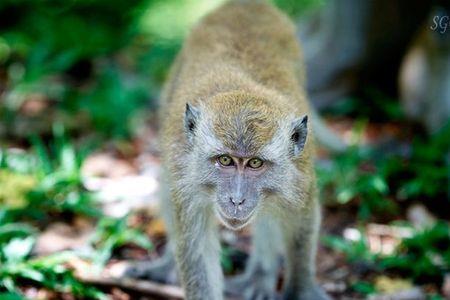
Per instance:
(79,88)
(98,62)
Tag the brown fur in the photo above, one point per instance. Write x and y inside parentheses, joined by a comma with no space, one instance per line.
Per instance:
(241,57)
(241,65)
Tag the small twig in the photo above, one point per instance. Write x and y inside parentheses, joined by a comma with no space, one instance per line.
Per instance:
(142,286)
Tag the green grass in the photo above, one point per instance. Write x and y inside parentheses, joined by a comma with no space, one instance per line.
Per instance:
(18,266)
(38,187)
(377,181)
(49,181)
(424,257)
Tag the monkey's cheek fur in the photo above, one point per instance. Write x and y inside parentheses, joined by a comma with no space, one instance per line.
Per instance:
(233,223)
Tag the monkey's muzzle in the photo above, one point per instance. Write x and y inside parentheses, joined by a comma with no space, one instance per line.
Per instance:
(234,222)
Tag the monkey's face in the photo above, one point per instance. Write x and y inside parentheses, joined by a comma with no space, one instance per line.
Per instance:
(240,154)
(239,186)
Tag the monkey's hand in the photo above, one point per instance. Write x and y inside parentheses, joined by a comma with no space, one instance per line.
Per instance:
(160,270)
(313,292)
(252,286)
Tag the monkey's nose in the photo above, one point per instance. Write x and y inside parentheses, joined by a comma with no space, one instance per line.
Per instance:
(236,202)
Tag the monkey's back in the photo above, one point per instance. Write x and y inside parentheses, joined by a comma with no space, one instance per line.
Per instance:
(252,36)
(243,45)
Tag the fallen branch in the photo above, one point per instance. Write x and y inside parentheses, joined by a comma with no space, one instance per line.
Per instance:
(141,286)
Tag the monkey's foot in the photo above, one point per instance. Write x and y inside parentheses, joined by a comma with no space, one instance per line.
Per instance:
(313,293)
(257,286)
(160,270)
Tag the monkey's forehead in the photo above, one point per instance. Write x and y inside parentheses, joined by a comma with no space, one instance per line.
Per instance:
(247,136)
(245,131)
(244,122)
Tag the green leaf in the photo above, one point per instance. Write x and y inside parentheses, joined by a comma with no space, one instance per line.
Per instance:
(43,157)
(363,287)
(32,274)
(345,195)
(379,184)
(17,249)
(11,296)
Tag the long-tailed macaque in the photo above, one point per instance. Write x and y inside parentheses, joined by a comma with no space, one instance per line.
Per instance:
(238,148)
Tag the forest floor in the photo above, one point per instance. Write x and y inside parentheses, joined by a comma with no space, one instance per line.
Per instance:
(124,179)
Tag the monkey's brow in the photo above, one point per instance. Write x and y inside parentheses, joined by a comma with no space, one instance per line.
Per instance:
(235,154)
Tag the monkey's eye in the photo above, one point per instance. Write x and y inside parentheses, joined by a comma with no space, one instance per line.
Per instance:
(255,163)
(225,160)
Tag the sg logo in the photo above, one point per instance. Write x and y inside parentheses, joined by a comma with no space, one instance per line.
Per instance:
(440,23)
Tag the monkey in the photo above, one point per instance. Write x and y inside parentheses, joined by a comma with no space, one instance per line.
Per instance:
(238,150)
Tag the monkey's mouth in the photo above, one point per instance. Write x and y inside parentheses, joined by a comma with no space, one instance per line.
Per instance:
(232,222)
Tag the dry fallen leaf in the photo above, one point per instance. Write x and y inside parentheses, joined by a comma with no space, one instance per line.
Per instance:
(446,286)
(156,228)
(60,236)
(388,285)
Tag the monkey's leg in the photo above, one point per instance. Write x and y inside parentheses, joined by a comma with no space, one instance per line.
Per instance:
(301,234)
(162,269)
(258,282)
(197,252)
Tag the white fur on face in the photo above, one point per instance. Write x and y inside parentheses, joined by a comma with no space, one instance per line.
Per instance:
(205,138)
(278,148)
(284,177)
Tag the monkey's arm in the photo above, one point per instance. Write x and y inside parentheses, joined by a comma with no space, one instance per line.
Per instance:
(197,252)
(301,239)
(261,272)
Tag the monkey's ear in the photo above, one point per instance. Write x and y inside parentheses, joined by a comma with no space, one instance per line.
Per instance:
(299,133)
(190,119)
